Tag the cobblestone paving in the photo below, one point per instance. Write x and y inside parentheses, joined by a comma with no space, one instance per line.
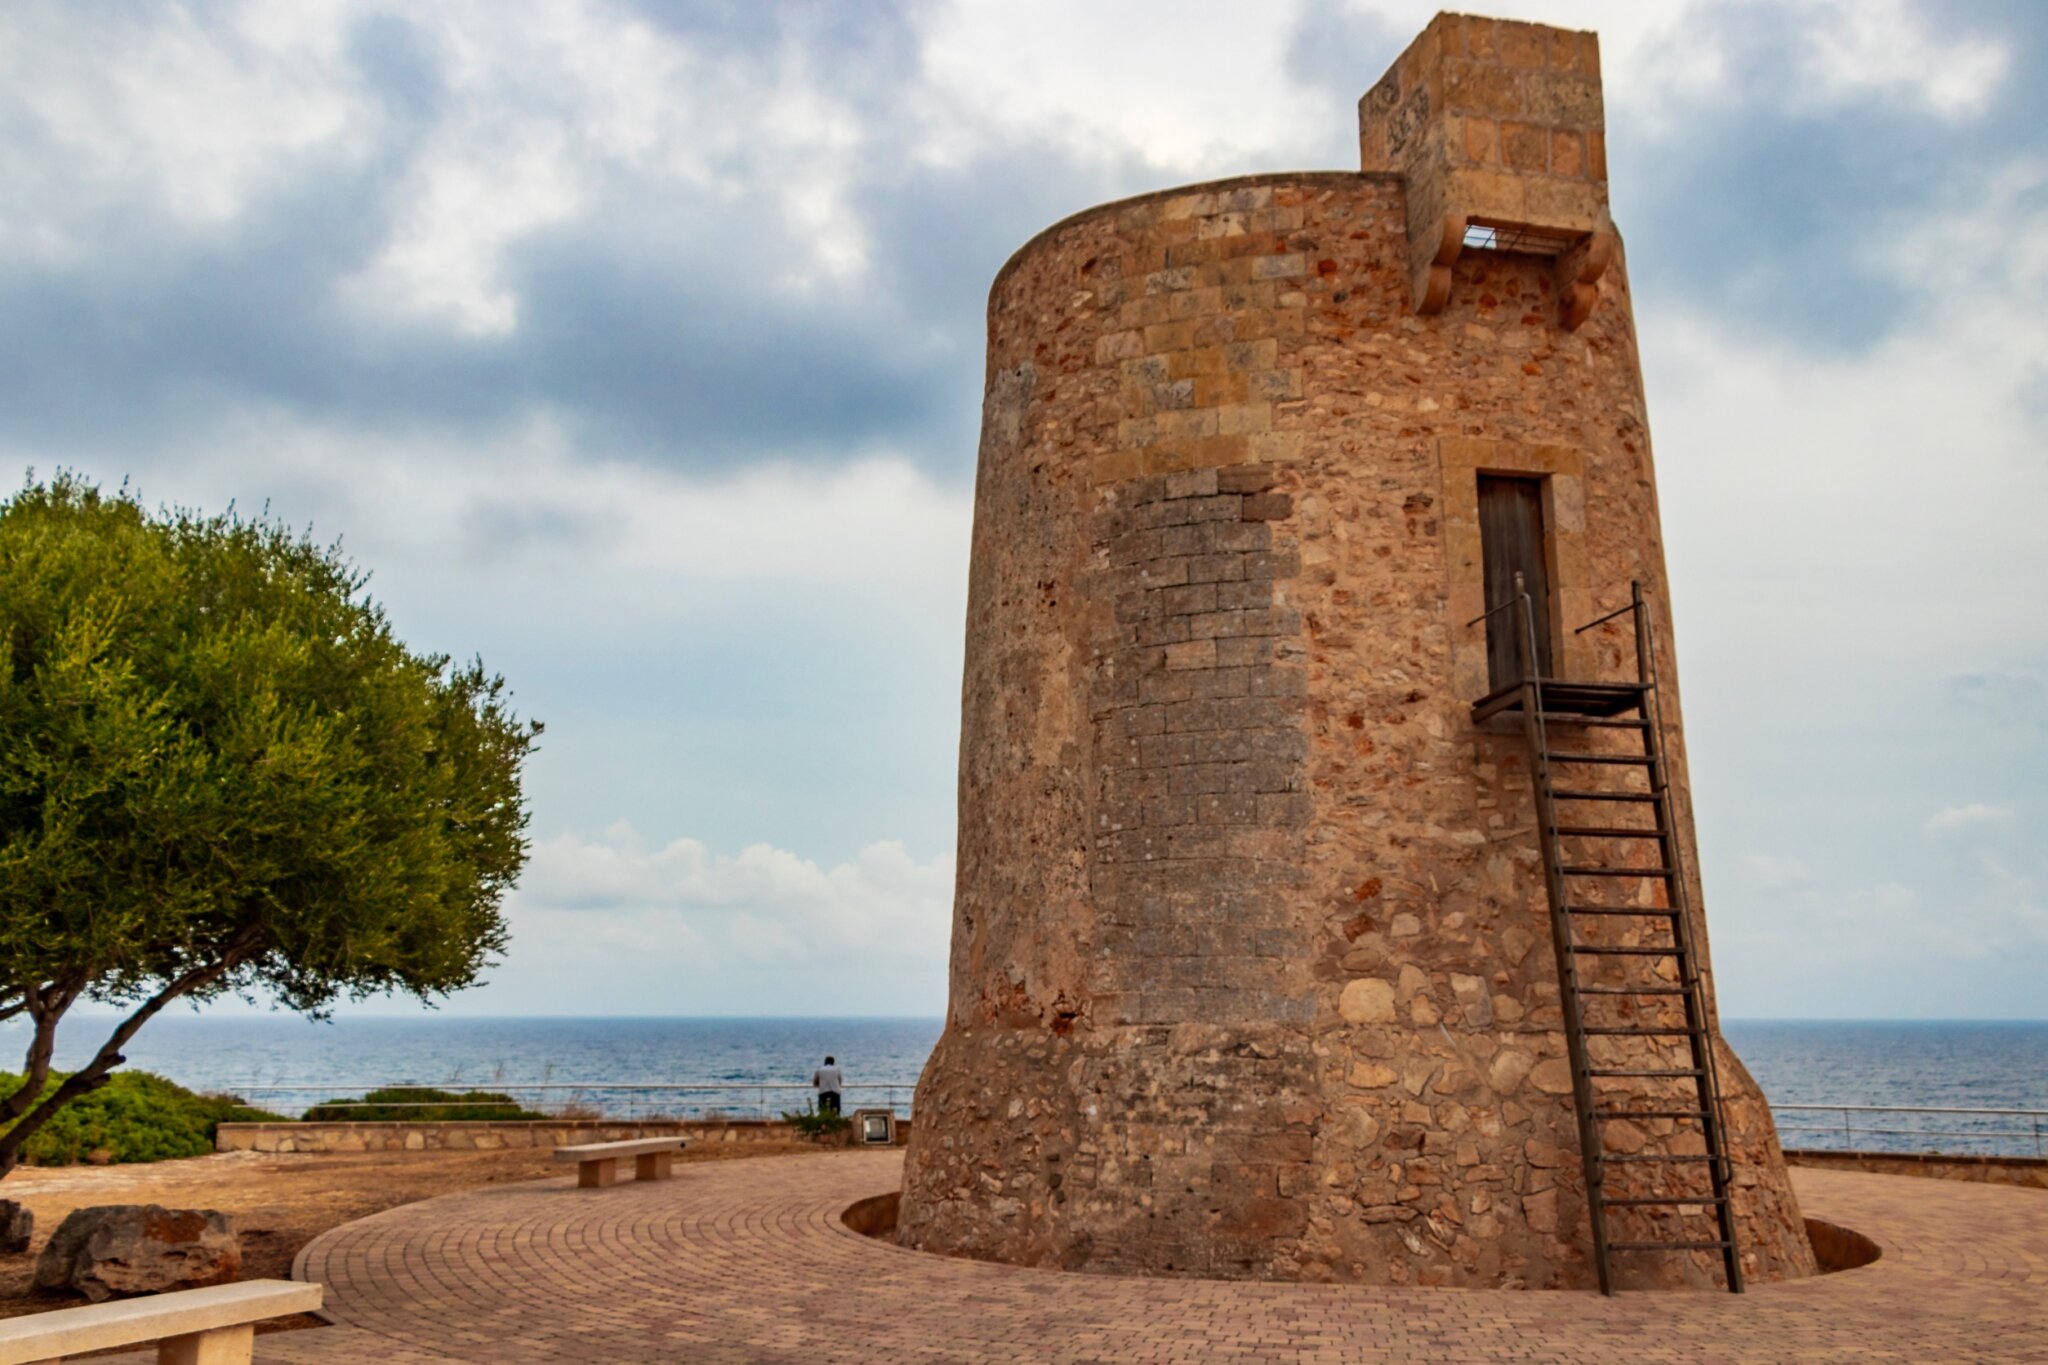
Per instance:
(747,1261)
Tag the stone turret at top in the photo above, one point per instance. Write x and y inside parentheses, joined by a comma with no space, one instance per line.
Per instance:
(1494,124)
(1250,971)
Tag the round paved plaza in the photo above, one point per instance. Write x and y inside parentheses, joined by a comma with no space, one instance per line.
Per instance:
(748,1261)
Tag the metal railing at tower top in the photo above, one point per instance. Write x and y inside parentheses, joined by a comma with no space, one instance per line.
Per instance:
(1526,637)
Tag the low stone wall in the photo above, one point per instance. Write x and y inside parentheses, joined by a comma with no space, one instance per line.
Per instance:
(479,1136)
(490,1135)
(2028,1171)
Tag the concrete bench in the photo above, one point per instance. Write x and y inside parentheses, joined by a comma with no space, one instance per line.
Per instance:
(214,1326)
(597,1163)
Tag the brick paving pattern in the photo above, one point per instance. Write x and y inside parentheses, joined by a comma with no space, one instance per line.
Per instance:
(747,1261)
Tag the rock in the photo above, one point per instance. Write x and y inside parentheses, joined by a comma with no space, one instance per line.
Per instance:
(1552,1076)
(1414,982)
(120,1249)
(1367,1001)
(1509,1069)
(17,1225)
(1372,1076)
(1473,999)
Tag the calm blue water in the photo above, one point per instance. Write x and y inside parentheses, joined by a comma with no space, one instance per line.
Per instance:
(250,1054)
(2001,1065)
(1956,1065)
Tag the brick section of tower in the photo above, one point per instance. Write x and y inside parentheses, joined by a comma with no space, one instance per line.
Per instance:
(1250,973)
(1199,754)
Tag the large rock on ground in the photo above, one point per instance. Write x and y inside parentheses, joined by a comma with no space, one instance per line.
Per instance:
(17,1225)
(120,1249)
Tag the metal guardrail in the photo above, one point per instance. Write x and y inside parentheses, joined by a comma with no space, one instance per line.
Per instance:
(1991,1132)
(610,1099)
(1975,1132)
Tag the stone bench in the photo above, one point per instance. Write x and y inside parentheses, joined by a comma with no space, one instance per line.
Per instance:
(214,1326)
(597,1163)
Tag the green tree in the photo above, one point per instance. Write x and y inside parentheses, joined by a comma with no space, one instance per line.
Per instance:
(220,772)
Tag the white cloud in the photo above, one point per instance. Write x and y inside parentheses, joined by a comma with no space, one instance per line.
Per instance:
(548,102)
(880,912)
(557,99)
(164,113)
(530,492)
(1885,45)
(1976,815)
(1769,873)
(1200,88)
(1876,505)
(467,203)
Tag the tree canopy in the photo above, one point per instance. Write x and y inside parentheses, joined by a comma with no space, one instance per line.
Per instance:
(220,771)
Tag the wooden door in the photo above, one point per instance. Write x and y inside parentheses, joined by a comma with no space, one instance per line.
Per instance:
(1511,542)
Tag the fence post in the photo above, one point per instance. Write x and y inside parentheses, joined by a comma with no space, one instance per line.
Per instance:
(1848,1138)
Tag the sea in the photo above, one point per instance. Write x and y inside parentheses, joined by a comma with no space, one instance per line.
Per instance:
(762,1067)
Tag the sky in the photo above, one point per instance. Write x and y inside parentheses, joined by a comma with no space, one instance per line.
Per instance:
(637,347)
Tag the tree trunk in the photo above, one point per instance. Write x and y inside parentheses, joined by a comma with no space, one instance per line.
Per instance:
(94,1073)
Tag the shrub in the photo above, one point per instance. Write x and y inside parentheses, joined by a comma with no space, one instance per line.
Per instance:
(812,1124)
(420,1106)
(136,1116)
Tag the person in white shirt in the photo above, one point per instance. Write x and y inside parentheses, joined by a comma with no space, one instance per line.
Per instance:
(827,1081)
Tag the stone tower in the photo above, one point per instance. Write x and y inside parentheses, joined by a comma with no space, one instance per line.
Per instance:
(1251,966)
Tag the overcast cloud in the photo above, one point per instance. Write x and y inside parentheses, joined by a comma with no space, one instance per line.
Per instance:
(637,346)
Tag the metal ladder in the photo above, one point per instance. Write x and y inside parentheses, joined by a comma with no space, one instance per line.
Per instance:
(1690,1092)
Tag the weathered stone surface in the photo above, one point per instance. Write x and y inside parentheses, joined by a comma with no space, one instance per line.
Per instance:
(1367,1001)
(1510,1067)
(115,1250)
(1552,1077)
(1247,909)
(17,1227)
(1372,1076)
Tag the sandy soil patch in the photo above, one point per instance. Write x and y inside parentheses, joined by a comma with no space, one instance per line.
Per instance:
(278,1202)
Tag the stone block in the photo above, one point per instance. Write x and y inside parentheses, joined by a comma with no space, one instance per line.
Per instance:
(17,1227)
(1367,1001)
(116,1250)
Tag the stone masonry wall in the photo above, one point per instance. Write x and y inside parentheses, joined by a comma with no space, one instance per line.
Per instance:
(1251,971)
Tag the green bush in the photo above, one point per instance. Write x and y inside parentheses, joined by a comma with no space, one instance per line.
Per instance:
(420,1106)
(813,1124)
(136,1116)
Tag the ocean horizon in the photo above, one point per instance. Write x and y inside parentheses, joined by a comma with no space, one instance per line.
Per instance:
(761,1065)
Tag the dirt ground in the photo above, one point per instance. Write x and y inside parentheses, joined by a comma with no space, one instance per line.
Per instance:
(278,1202)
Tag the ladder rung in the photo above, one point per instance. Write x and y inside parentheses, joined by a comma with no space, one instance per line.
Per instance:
(1612,722)
(1608,832)
(1609,1072)
(1661,911)
(1599,951)
(1638,760)
(1637,1202)
(1632,990)
(1640,1032)
(1574,794)
(1575,870)
(1661,1158)
(1666,1246)
(1648,1114)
